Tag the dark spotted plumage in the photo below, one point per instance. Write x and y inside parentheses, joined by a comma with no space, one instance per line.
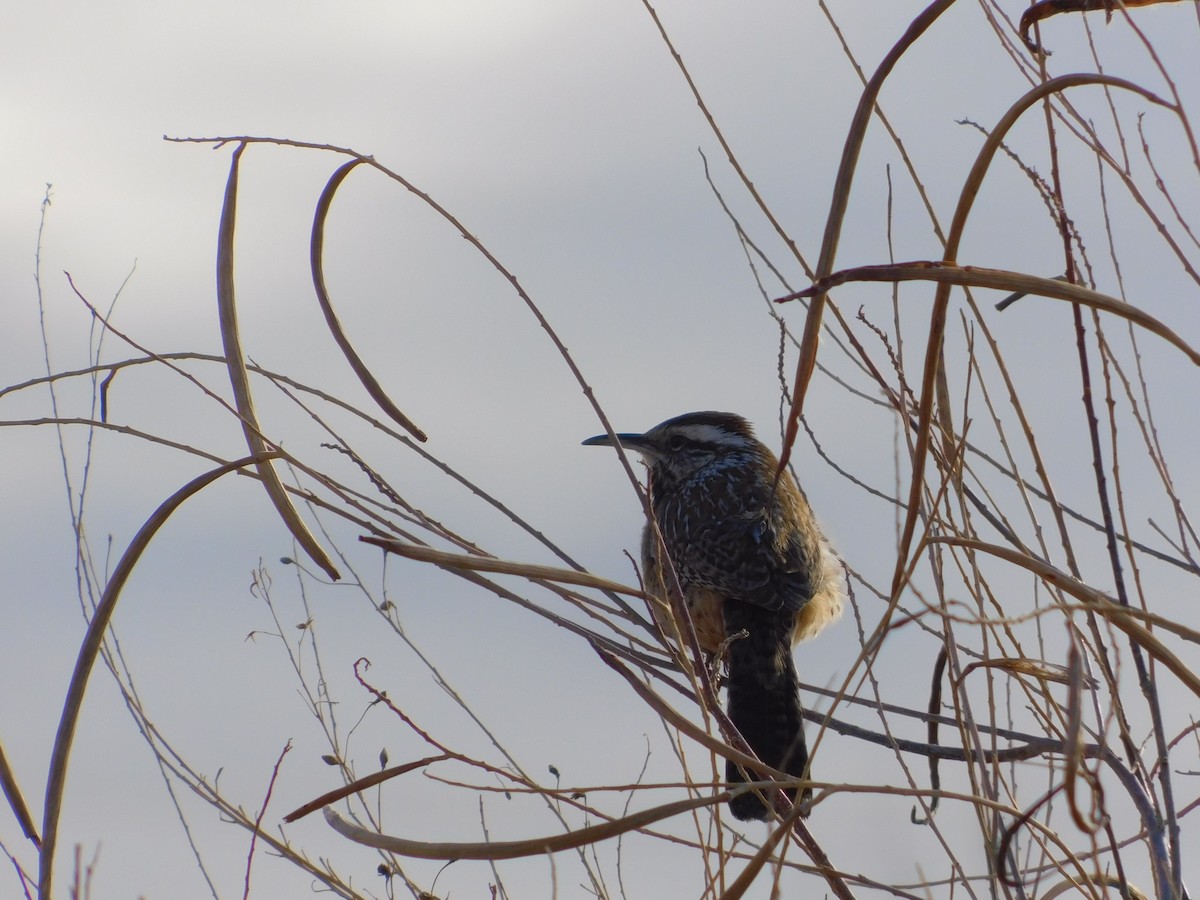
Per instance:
(750,557)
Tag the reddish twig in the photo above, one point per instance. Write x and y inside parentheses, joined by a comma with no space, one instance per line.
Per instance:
(261,813)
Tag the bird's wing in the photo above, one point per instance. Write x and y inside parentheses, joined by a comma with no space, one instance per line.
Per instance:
(748,561)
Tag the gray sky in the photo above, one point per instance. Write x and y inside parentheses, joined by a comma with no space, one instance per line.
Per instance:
(563,136)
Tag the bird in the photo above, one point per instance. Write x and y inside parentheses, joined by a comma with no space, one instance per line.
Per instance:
(755,570)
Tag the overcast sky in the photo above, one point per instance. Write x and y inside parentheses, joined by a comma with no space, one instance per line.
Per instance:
(563,136)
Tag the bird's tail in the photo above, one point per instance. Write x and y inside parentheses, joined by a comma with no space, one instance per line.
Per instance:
(764,698)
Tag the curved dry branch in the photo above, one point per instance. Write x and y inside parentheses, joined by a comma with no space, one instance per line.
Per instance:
(1044,9)
(239,378)
(500,566)
(1000,279)
(316,263)
(361,784)
(497,850)
(90,649)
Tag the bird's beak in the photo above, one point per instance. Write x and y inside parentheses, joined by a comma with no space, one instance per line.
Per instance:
(636,442)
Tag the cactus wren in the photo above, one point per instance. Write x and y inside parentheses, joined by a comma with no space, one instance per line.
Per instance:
(749,557)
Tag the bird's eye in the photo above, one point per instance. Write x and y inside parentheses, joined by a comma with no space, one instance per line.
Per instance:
(675,443)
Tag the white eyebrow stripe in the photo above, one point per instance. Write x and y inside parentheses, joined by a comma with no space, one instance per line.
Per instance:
(710,434)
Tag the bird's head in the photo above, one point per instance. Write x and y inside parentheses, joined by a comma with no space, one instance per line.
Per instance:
(679,447)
